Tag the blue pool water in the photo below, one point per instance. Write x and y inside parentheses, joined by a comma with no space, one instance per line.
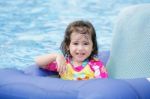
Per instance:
(33,27)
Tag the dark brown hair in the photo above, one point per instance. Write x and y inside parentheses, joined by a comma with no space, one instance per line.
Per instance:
(82,27)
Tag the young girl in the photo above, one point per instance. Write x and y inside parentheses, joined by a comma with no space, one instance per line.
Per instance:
(78,58)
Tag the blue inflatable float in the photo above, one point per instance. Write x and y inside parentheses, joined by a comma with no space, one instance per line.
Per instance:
(36,83)
(128,68)
(16,84)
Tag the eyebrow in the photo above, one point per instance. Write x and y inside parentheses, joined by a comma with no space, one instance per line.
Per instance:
(76,41)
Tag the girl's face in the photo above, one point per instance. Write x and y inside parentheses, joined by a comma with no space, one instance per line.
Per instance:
(80,47)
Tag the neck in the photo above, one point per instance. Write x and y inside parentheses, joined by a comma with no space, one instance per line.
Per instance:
(74,63)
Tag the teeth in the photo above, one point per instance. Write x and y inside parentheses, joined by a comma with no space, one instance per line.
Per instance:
(80,53)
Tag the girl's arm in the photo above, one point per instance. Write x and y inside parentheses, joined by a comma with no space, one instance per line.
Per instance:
(43,60)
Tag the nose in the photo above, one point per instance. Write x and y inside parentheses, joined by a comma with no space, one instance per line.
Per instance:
(80,47)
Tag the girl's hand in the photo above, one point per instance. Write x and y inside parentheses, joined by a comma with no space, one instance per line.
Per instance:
(61,63)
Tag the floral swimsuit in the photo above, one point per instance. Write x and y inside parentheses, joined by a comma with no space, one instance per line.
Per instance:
(89,69)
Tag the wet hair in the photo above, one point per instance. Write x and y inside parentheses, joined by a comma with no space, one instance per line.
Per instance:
(82,27)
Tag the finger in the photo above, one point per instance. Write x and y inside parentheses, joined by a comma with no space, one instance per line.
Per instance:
(58,68)
(61,70)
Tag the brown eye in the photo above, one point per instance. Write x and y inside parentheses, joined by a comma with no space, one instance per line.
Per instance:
(75,43)
(86,43)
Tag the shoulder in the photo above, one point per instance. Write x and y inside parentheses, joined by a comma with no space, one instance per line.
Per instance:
(96,61)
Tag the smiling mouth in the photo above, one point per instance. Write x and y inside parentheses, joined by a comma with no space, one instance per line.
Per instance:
(80,54)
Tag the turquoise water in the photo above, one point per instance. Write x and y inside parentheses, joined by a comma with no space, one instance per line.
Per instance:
(33,27)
